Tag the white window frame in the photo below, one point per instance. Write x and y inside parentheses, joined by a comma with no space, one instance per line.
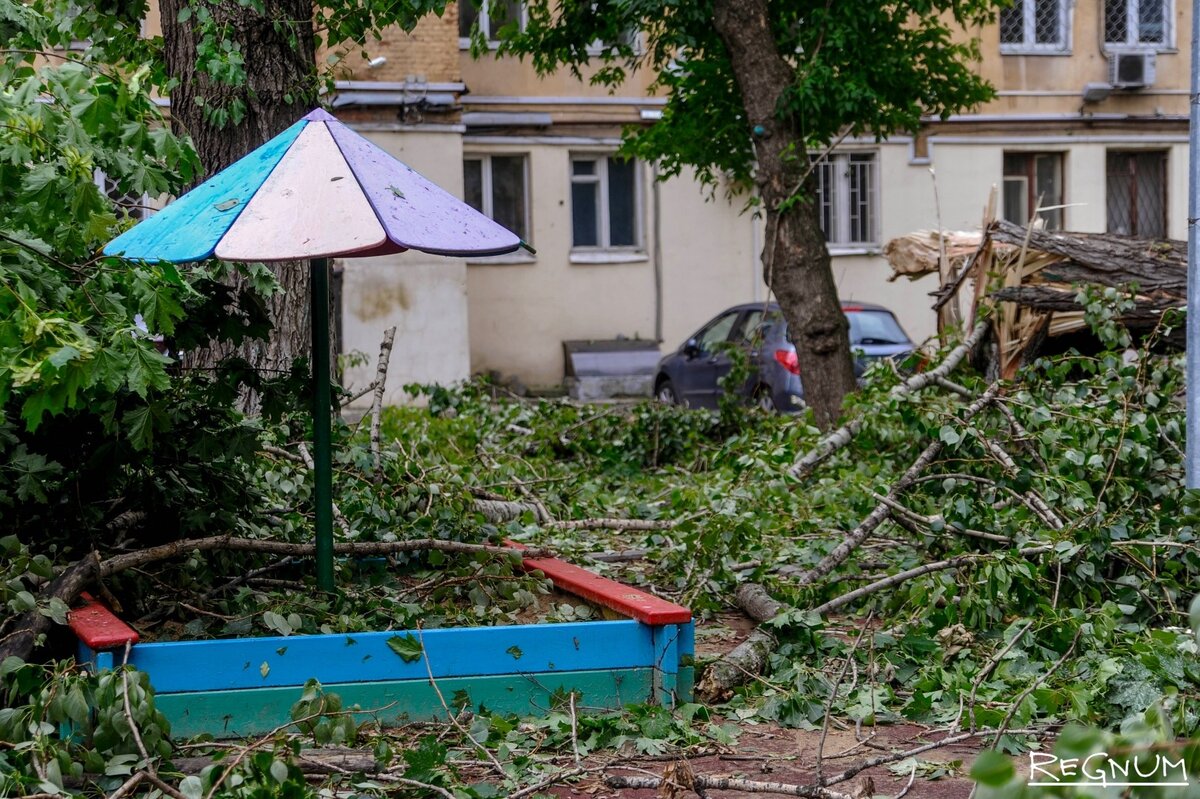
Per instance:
(484,21)
(1066,13)
(602,202)
(487,186)
(597,47)
(521,256)
(1131,43)
(839,241)
(1028,182)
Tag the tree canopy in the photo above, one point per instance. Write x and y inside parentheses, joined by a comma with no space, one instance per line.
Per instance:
(859,69)
(752,88)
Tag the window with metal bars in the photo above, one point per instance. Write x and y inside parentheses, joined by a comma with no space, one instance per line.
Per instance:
(135,206)
(1137,23)
(1137,193)
(847,198)
(1035,26)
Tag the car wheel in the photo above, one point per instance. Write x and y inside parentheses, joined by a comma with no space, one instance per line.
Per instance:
(764,399)
(665,393)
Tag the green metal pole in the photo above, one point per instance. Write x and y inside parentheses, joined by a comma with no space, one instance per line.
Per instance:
(322,455)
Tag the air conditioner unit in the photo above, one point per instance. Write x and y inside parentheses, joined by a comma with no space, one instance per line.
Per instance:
(1131,70)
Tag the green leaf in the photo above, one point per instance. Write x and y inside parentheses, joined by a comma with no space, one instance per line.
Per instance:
(139,427)
(992,769)
(191,787)
(407,647)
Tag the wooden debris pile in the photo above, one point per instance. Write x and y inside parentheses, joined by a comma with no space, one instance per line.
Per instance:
(1033,277)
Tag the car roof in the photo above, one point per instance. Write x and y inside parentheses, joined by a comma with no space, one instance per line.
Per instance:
(847,305)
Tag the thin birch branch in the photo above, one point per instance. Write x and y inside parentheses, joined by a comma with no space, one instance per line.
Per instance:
(845,434)
(385,354)
(130,560)
(882,511)
(927,568)
(337,512)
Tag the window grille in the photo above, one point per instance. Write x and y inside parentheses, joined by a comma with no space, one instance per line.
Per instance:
(1035,25)
(1132,23)
(1137,194)
(848,197)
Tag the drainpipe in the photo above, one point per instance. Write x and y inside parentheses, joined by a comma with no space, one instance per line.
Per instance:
(1193,291)
(657,254)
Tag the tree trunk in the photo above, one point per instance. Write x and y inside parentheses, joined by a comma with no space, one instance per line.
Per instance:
(795,259)
(280,65)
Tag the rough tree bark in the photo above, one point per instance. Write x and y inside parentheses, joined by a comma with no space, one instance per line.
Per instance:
(795,259)
(280,65)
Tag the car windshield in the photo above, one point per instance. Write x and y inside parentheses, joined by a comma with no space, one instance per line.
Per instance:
(875,327)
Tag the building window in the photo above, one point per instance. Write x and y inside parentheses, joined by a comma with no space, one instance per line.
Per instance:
(1137,194)
(847,197)
(491,15)
(1034,181)
(125,204)
(1035,26)
(604,202)
(1137,23)
(496,185)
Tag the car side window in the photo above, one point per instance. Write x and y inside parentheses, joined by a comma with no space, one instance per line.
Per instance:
(749,330)
(716,333)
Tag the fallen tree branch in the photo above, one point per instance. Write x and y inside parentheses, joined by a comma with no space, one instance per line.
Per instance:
(725,784)
(993,661)
(631,525)
(337,512)
(833,692)
(892,757)
(130,560)
(31,626)
(500,511)
(928,568)
(1034,500)
(312,761)
(883,509)
(748,658)
(900,510)
(385,354)
(846,433)
(1016,705)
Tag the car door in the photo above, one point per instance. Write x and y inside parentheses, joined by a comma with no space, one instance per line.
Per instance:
(705,362)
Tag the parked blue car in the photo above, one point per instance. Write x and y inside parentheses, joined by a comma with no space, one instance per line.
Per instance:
(689,376)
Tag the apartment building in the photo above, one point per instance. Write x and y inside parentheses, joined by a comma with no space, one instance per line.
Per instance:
(1090,120)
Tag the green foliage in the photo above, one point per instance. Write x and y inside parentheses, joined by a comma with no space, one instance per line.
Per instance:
(867,68)
(97,419)
(59,723)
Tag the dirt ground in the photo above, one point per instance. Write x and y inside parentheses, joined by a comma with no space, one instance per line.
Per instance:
(770,753)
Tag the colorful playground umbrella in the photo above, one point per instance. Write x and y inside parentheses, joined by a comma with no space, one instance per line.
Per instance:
(316,191)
